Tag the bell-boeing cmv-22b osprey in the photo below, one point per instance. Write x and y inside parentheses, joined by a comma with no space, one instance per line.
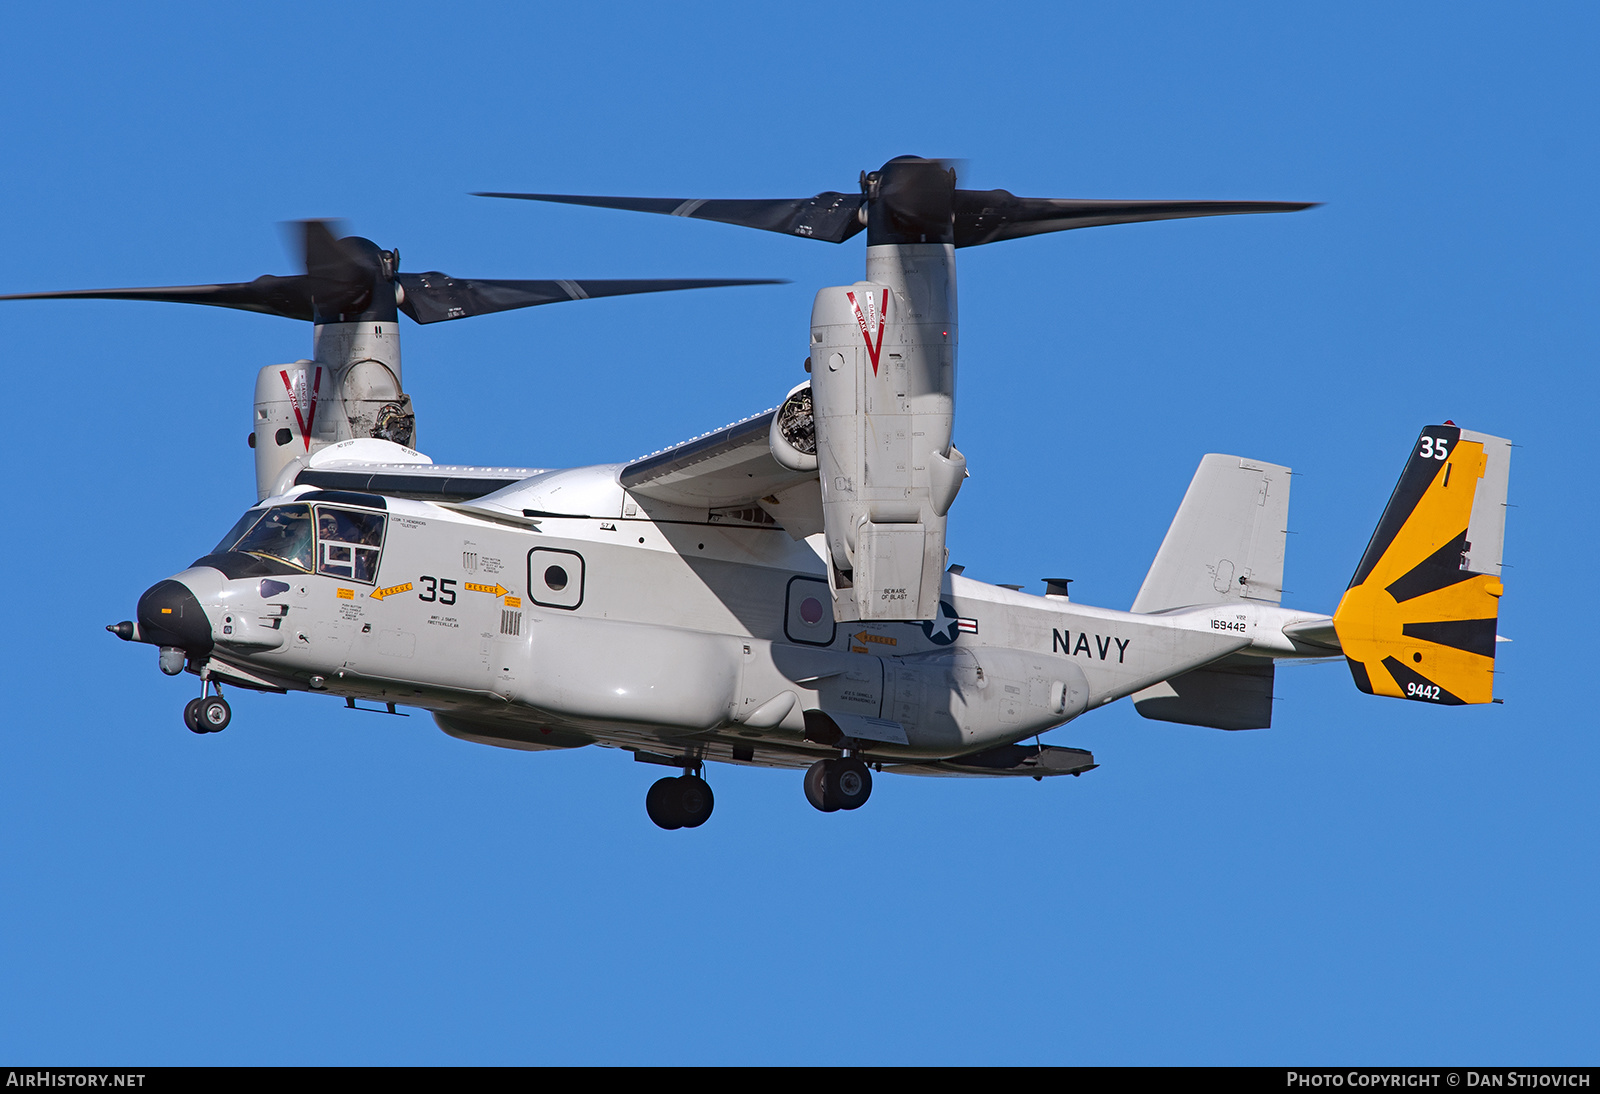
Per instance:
(774,592)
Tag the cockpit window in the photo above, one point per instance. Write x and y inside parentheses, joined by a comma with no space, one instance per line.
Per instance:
(348,543)
(246,522)
(283,533)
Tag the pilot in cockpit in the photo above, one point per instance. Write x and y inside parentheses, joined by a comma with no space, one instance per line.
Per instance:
(349,540)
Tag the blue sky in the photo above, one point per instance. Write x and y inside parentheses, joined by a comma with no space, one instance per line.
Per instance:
(1369,881)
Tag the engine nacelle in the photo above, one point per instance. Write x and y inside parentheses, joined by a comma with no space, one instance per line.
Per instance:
(351,391)
(883,356)
(793,436)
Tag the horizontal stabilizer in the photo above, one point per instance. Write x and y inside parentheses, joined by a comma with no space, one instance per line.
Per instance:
(1226,542)
(1418,620)
(1231,694)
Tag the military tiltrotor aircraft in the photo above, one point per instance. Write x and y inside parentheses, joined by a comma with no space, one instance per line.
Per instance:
(774,592)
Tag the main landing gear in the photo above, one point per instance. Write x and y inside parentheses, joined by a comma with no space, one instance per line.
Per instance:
(845,783)
(682,802)
(209,713)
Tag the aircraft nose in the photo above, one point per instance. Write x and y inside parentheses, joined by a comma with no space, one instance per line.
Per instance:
(170,615)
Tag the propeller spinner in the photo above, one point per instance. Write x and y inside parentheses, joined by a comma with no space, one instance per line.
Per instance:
(915,200)
(353,280)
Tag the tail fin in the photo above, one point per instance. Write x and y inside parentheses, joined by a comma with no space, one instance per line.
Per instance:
(1226,541)
(1418,620)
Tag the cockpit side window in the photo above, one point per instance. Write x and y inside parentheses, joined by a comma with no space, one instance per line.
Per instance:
(348,543)
(283,533)
(245,523)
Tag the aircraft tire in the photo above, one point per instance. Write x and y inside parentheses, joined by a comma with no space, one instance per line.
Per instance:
(849,783)
(693,800)
(191,716)
(213,714)
(658,805)
(816,786)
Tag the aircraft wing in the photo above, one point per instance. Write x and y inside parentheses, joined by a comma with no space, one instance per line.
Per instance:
(731,467)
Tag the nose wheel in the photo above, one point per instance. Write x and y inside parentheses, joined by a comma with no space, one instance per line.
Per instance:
(845,783)
(682,802)
(208,713)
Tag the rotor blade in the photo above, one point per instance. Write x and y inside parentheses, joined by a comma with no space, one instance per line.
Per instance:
(988,216)
(289,297)
(434,297)
(829,216)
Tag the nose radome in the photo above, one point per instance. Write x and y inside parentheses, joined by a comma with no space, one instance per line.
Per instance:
(170,615)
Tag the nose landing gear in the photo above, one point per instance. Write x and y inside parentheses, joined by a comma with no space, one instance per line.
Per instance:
(845,783)
(682,802)
(208,713)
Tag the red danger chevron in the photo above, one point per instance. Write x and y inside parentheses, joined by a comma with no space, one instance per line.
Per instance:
(864,322)
(310,416)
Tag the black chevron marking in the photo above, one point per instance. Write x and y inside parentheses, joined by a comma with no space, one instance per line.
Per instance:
(1438,571)
(1472,635)
(1419,473)
(1358,673)
(1420,687)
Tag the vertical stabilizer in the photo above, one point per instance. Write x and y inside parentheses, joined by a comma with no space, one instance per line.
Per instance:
(1226,542)
(1418,621)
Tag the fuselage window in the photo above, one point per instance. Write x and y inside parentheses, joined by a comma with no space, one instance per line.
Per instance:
(283,533)
(348,543)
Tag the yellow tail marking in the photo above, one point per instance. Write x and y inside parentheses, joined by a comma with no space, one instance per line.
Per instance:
(1369,621)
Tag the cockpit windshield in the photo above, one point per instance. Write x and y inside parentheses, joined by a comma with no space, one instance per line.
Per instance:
(342,543)
(283,533)
(245,523)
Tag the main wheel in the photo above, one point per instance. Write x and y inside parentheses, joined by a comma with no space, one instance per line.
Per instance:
(816,786)
(849,783)
(657,803)
(191,716)
(214,714)
(693,801)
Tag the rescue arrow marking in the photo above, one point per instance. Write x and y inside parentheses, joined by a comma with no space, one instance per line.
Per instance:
(885,639)
(493,590)
(379,594)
